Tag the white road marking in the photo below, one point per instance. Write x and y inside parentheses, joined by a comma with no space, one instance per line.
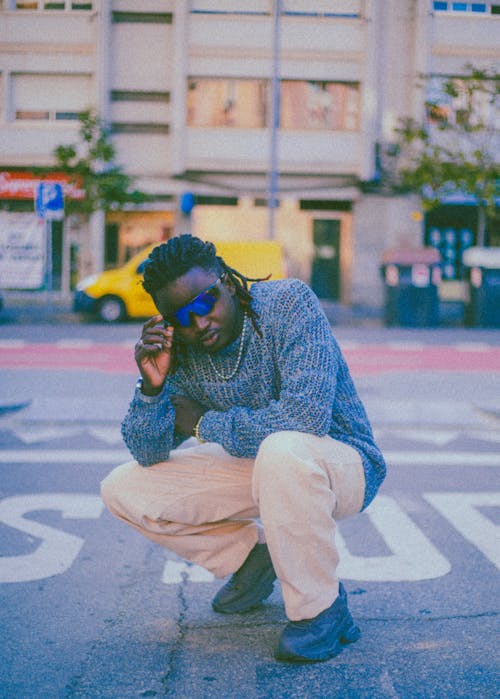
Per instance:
(461,510)
(12,344)
(435,458)
(32,434)
(175,571)
(406,346)
(439,438)
(108,456)
(109,435)
(80,343)
(64,456)
(486,435)
(57,549)
(344,344)
(472,347)
(349,345)
(413,556)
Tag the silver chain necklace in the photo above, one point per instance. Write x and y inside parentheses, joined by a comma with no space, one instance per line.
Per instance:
(226,377)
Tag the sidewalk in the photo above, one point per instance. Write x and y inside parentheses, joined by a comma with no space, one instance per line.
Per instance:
(25,307)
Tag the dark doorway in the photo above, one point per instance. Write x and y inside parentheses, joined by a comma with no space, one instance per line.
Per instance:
(57,232)
(325,273)
(111,242)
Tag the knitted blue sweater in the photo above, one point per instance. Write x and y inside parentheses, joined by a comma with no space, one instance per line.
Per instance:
(294,377)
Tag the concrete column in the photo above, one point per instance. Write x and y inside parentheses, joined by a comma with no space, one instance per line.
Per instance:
(97,223)
(97,220)
(422,55)
(380,222)
(370,108)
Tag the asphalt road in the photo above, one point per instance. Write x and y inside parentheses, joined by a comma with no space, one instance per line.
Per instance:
(90,609)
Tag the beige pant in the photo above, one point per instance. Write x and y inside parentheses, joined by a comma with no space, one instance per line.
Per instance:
(205,505)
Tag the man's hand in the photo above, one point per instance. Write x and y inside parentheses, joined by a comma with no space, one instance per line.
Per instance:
(153,354)
(187,413)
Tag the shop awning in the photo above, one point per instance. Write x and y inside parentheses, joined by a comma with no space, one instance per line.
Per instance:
(257,184)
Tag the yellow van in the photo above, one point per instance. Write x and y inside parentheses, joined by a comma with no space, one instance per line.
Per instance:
(118,294)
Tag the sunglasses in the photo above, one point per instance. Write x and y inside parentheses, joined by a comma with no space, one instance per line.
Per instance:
(201,305)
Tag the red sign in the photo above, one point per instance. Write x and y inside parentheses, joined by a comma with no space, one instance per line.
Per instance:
(22,185)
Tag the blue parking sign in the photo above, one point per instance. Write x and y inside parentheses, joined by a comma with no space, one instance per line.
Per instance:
(49,201)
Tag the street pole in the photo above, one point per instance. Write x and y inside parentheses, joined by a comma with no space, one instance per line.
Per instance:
(273,188)
(48,265)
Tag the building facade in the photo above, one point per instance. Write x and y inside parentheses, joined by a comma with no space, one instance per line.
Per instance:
(243,119)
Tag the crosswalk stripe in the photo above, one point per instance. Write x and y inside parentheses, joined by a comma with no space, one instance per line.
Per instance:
(348,345)
(434,458)
(110,456)
(75,344)
(64,456)
(472,346)
(408,345)
(12,344)
(175,571)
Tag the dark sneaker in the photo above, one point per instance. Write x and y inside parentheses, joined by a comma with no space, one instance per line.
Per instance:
(249,586)
(320,638)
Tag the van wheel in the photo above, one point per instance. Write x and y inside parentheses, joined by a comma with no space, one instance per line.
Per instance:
(111,309)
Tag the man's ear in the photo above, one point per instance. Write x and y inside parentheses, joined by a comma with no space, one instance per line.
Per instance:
(229,284)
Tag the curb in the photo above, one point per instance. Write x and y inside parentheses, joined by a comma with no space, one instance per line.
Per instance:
(24,308)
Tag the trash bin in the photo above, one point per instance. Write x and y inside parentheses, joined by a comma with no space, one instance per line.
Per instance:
(411,278)
(483,276)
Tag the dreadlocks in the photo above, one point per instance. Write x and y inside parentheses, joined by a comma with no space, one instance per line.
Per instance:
(169,261)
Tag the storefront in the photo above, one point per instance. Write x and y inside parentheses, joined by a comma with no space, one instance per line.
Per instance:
(316,235)
(23,236)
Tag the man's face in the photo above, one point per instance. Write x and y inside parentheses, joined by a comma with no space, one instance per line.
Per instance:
(208,313)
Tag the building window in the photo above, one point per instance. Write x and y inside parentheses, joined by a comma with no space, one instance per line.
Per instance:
(470,7)
(230,7)
(141,17)
(139,128)
(318,105)
(305,105)
(50,97)
(139,96)
(45,5)
(298,8)
(443,108)
(322,8)
(227,103)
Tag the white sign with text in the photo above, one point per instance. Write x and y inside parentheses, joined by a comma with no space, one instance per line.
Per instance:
(22,251)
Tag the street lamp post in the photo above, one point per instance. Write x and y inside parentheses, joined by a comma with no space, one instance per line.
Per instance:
(273,187)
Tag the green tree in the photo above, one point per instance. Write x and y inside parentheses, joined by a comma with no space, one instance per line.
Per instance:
(91,165)
(457,147)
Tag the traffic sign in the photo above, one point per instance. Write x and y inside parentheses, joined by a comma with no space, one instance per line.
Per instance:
(49,201)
